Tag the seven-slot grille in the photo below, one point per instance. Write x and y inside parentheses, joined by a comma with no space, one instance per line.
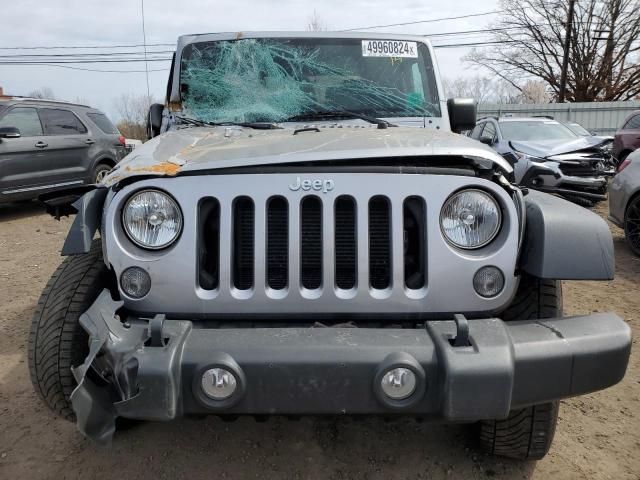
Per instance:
(327,234)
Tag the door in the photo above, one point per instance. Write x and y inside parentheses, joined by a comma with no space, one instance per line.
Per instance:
(69,145)
(629,135)
(23,160)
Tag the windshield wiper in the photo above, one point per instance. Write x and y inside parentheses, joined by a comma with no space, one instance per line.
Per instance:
(203,123)
(327,114)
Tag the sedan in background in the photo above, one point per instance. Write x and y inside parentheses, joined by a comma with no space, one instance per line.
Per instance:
(627,139)
(624,200)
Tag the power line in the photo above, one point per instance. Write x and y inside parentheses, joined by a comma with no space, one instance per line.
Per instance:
(83,55)
(35,62)
(476,44)
(492,12)
(92,69)
(466,32)
(89,46)
(144,41)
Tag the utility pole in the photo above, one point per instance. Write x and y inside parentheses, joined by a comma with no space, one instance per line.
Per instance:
(565,58)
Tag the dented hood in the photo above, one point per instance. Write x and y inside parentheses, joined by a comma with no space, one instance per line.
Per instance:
(549,148)
(211,148)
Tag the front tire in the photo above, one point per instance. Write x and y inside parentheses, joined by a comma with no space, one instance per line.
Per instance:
(57,342)
(527,433)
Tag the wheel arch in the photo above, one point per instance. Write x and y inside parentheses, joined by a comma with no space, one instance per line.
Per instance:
(103,160)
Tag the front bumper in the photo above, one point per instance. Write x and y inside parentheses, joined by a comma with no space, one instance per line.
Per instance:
(549,177)
(152,369)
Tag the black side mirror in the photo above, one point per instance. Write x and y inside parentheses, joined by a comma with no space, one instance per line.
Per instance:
(9,132)
(154,120)
(462,113)
(486,140)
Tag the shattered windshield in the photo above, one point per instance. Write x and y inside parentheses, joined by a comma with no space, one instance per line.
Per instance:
(273,80)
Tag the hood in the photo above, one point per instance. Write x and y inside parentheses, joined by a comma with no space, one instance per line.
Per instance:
(212,148)
(549,148)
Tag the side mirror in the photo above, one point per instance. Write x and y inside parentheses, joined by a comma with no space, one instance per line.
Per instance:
(462,113)
(486,140)
(154,120)
(9,132)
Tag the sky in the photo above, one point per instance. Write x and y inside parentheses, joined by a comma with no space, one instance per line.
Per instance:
(33,23)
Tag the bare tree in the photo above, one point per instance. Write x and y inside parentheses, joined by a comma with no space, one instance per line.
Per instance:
(479,88)
(534,91)
(482,89)
(133,111)
(43,92)
(315,23)
(504,92)
(604,54)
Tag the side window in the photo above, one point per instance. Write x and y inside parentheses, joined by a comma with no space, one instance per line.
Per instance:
(24,119)
(61,122)
(103,123)
(476,131)
(489,132)
(633,123)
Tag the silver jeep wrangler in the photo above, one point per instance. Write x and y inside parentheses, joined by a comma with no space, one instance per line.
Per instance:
(305,235)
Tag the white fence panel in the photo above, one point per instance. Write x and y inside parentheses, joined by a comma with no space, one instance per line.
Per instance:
(603,118)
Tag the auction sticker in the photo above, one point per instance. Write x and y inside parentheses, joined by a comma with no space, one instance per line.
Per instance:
(389,48)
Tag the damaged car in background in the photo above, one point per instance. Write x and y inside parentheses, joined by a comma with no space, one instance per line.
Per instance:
(306,234)
(551,156)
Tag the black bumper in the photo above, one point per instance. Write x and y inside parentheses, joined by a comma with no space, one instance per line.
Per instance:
(337,370)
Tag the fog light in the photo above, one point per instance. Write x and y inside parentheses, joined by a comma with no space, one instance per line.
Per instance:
(218,383)
(135,282)
(398,383)
(488,281)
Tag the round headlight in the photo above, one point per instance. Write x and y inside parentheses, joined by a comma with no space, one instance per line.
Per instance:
(152,219)
(470,219)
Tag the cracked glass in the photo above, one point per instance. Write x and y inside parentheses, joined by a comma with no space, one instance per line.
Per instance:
(274,80)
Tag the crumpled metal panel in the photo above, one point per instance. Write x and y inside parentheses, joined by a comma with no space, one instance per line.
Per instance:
(195,149)
(86,223)
(124,375)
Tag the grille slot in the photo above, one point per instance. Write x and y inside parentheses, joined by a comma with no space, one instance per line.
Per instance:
(345,242)
(311,243)
(277,243)
(379,243)
(243,243)
(415,241)
(209,244)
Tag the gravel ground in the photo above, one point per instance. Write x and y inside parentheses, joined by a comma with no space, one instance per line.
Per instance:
(598,435)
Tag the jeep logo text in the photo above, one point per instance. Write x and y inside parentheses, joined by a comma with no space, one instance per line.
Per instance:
(323,186)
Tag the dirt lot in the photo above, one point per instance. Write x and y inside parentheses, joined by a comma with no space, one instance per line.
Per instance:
(598,435)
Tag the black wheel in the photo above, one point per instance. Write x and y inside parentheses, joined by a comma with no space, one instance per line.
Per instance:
(100,172)
(526,434)
(56,340)
(632,225)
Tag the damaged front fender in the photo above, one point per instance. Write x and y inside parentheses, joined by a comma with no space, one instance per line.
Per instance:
(110,381)
(86,223)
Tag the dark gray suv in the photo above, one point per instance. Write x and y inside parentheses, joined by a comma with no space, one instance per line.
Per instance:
(46,145)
